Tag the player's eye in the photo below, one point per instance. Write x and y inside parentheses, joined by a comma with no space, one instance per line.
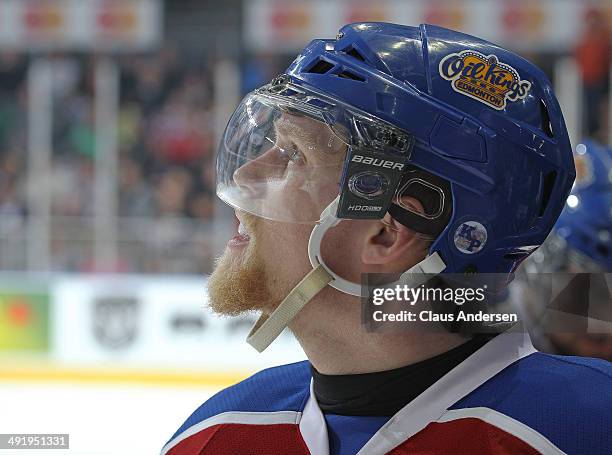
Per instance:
(291,153)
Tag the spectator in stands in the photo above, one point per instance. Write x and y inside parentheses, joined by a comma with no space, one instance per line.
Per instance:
(593,56)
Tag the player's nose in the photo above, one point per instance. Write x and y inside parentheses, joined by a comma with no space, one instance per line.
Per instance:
(253,174)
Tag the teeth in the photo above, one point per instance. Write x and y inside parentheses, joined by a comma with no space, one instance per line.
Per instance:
(242,230)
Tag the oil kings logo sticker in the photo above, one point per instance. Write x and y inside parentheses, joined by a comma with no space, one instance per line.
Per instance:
(470,237)
(483,78)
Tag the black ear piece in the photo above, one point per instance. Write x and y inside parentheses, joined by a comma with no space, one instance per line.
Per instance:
(434,194)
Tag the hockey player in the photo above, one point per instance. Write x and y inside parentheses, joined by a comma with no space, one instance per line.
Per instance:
(581,242)
(407,150)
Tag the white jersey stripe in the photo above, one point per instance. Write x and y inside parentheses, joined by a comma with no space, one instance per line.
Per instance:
(313,426)
(493,357)
(245,418)
(524,432)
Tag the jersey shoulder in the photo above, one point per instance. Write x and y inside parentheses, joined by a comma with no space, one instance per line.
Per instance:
(282,388)
(563,398)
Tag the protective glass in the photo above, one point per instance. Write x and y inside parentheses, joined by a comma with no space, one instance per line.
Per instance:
(279,160)
(288,152)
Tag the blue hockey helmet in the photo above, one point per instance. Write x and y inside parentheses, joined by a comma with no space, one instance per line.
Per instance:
(586,221)
(470,129)
(464,110)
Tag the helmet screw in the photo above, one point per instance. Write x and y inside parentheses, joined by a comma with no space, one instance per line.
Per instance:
(470,270)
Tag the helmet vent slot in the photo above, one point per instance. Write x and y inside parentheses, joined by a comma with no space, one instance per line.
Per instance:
(348,75)
(545,126)
(517,255)
(354,53)
(602,249)
(288,92)
(320,67)
(548,184)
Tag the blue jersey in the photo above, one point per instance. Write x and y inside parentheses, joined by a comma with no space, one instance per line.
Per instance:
(504,398)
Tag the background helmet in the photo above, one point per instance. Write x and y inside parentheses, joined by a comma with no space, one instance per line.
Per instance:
(578,320)
(586,221)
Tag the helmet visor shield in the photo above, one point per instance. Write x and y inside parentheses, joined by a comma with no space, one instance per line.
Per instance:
(279,160)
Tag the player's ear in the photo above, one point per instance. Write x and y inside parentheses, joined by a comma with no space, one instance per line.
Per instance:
(391,245)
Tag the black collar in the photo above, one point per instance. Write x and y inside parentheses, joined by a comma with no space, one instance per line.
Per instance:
(384,393)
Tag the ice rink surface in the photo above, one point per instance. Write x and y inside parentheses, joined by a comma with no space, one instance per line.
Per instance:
(101,420)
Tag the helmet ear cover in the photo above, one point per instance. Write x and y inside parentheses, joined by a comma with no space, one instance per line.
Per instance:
(370,180)
(433,192)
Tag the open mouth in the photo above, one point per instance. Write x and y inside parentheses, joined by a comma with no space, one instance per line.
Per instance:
(241,236)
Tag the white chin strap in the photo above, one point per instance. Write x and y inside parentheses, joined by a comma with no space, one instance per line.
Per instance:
(269,327)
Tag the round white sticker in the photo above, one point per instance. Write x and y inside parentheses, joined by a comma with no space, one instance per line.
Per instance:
(470,237)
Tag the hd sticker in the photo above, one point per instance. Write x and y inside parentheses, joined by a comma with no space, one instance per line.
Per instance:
(483,78)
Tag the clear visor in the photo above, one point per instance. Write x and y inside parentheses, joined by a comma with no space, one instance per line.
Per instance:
(279,160)
(283,153)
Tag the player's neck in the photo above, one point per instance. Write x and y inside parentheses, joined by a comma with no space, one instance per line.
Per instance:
(335,342)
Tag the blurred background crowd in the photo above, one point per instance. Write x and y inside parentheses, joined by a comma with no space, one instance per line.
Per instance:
(165,136)
(165,142)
